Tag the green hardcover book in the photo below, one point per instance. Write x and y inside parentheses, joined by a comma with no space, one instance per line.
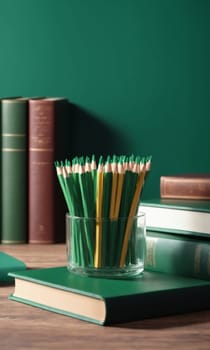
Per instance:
(8,264)
(14,170)
(178,254)
(108,301)
(177,216)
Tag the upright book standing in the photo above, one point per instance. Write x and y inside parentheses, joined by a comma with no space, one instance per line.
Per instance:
(14,170)
(44,116)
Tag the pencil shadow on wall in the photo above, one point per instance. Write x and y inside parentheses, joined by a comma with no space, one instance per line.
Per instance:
(89,135)
(79,133)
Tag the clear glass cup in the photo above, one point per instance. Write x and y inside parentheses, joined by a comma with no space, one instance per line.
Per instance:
(105,247)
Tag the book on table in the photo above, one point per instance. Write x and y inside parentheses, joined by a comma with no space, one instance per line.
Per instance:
(183,255)
(108,301)
(185,186)
(177,216)
(9,263)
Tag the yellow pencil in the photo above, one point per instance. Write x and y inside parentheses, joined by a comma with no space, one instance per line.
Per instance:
(119,187)
(132,212)
(99,197)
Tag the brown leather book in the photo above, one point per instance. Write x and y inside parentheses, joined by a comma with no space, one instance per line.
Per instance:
(45,203)
(185,186)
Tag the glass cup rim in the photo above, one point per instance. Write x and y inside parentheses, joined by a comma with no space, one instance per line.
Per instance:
(76,217)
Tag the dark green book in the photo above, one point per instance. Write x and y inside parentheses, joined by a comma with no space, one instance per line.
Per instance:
(14,170)
(178,254)
(9,263)
(177,216)
(107,301)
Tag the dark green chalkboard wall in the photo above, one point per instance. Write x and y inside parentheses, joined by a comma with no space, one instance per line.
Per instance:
(137,72)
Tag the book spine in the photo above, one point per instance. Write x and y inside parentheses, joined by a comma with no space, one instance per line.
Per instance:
(42,190)
(14,171)
(185,188)
(177,255)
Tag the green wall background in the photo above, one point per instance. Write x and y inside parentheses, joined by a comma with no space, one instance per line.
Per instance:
(136,71)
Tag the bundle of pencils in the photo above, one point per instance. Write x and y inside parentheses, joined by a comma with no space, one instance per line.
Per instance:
(104,191)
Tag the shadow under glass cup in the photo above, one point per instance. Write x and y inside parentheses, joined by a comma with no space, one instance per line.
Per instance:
(106,247)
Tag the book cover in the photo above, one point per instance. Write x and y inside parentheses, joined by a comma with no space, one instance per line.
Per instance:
(46,211)
(108,301)
(14,170)
(178,254)
(9,263)
(185,186)
(177,216)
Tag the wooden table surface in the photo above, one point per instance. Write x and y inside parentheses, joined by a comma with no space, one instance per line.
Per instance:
(24,327)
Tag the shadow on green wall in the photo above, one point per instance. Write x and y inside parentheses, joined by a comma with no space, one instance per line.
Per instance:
(89,135)
(81,133)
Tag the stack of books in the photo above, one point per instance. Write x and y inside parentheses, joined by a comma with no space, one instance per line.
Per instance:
(178,226)
(175,279)
(177,266)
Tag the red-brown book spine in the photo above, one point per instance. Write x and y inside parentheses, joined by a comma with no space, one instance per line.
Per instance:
(43,115)
(192,186)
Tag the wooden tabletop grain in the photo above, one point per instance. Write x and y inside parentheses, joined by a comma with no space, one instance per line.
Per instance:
(23,327)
